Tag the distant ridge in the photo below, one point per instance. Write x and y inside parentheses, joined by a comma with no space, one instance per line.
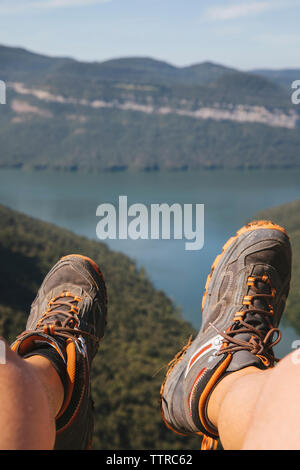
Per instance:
(283,77)
(17,60)
(141,113)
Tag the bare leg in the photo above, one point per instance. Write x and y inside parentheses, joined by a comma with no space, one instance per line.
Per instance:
(255,409)
(31,395)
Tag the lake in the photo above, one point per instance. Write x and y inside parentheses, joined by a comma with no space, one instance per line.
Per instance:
(231,198)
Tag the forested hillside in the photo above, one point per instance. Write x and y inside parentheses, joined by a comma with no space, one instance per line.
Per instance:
(288,215)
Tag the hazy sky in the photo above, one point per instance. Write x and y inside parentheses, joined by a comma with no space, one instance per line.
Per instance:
(245,34)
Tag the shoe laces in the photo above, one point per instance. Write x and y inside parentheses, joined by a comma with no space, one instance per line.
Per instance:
(255,319)
(65,308)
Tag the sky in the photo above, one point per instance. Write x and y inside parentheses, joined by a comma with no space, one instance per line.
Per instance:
(244,34)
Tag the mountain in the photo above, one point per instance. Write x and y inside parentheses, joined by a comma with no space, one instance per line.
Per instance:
(144,330)
(140,113)
(284,77)
(288,216)
(20,64)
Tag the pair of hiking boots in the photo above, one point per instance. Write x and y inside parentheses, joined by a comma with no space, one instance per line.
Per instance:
(244,299)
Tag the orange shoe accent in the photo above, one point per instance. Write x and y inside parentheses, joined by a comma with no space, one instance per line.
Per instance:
(204,395)
(238,316)
(94,266)
(71,370)
(28,345)
(92,263)
(198,354)
(264,360)
(256,224)
(208,443)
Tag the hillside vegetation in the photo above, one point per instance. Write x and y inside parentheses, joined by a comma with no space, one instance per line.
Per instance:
(284,77)
(288,216)
(144,330)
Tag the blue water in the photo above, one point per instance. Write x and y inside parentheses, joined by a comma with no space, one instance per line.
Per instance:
(230,197)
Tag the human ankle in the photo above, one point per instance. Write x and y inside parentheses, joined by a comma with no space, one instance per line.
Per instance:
(50,380)
(223,387)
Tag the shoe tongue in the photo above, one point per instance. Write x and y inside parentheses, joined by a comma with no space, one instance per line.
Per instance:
(261,302)
(44,345)
(241,359)
(256,319)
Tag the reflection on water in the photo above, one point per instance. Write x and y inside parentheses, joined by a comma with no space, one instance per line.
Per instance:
(230,197)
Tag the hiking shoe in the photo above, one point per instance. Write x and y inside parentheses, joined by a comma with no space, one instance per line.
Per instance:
(66,322)
(244,299)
